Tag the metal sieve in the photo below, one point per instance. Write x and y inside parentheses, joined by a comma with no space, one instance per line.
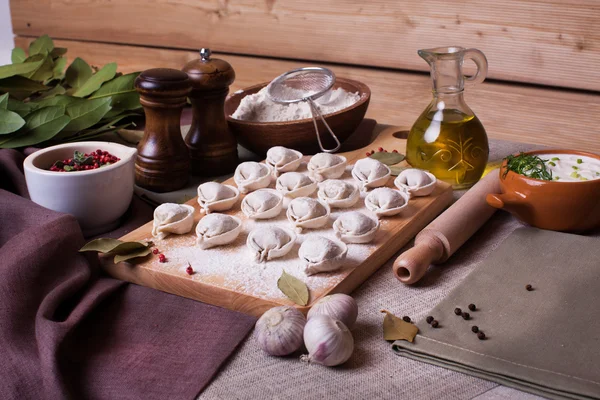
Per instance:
(305,84)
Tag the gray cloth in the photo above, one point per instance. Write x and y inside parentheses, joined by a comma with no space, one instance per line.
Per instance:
(545,341)
(374,371)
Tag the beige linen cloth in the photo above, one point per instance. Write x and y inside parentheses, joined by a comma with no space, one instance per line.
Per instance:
(374,371)
(545,341)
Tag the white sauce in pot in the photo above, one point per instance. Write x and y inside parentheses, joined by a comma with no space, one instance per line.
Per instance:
(572,167)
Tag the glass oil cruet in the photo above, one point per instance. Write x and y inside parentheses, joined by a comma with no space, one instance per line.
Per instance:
(448,139)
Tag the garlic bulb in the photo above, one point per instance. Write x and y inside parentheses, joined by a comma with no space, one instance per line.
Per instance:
(328,341)
(338,306)
(279,330)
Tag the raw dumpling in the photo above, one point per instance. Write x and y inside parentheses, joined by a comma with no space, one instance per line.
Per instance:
(216,230)
(251,175)
(172,218)
(262,204)
(214,196)
(416,182)
(305,212)
(371,173)
(322,254)
(326,166)
(338,193)
(355,227)
(385,202)
(295,184)
(283,159)
(270,242)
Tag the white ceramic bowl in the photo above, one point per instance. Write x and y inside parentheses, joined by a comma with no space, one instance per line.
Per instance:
(97,198)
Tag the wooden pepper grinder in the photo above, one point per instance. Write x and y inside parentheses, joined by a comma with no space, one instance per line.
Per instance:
(162,163)
(212,146)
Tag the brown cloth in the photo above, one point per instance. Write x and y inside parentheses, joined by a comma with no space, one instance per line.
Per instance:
(545,341)
(69,332)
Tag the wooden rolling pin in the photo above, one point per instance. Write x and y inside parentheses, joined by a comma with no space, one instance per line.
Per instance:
(444,235)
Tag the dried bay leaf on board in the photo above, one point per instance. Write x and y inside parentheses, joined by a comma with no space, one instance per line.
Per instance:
(396,170)
(293,288)
(388,158)
(113,246)
(395,328)
(134,254)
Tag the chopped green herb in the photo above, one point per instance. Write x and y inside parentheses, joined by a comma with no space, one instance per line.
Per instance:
(574,174)
(583,178)
(597,173)
(551,163)
(555,159)
(528,165)
(575,167)
(579,161)
(556,178)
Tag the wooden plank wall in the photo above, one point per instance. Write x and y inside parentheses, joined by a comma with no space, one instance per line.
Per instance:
(550,42)
(560,118)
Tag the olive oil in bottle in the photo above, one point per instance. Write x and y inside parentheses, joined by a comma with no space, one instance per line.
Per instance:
(450,144)
(448,139)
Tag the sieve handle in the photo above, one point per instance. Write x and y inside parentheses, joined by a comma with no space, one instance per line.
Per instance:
(314,109)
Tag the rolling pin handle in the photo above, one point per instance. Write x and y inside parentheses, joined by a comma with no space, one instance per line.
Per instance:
(411,265)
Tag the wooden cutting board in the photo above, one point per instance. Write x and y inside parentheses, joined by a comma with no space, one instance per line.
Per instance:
(227,276)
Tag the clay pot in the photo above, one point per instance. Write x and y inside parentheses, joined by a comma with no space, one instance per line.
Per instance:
(553,205)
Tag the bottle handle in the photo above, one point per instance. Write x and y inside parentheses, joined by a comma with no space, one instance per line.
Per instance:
(482,65)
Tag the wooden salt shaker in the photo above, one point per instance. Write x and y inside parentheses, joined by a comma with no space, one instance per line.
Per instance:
(212,146)
(162,163)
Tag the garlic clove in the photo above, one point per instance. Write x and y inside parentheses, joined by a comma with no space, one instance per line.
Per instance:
(337,306)
(279,331)
(328,341)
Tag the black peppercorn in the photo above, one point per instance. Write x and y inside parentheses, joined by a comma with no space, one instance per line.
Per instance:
(466,315)
(472,307)
(457,311)
(529,288)
(475,328)
(434,323)
(429,319)
(406,318)
(481,335)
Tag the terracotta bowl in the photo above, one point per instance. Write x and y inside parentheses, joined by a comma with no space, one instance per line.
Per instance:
(553,205)
(258,137)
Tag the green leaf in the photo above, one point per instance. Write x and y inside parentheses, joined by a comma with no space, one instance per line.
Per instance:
(41,45)
(395,328)
(28,67)
(58,71)
(396,170)
(122,90)
(293,288)
(388,158)
(106,73)
(81,159)
(78,73)
(58,52)
(86,113)
(19,86)
(4,101)
(55,91)
(18,55)
(58,100)
(134,254)
(19,107)
(10,121)
(44,72)
(41,125)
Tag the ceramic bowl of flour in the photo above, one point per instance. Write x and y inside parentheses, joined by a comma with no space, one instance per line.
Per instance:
(297,134)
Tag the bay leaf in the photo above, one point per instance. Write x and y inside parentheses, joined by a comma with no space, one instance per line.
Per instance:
(396,170)
(122,90)
(18,55)
(388,158)
(49,94)
(78,73)
(127,247)
(134,254)
(293,288)
(28,67)
(19,107)
(58,71)
(106,73)
(4,101)
(44,72)
(395,328)
(42,45)
(41,125)
(58,52)
(10,121)
(18,86)
(85,114)
(57,100)
(87,135)
(102,245)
